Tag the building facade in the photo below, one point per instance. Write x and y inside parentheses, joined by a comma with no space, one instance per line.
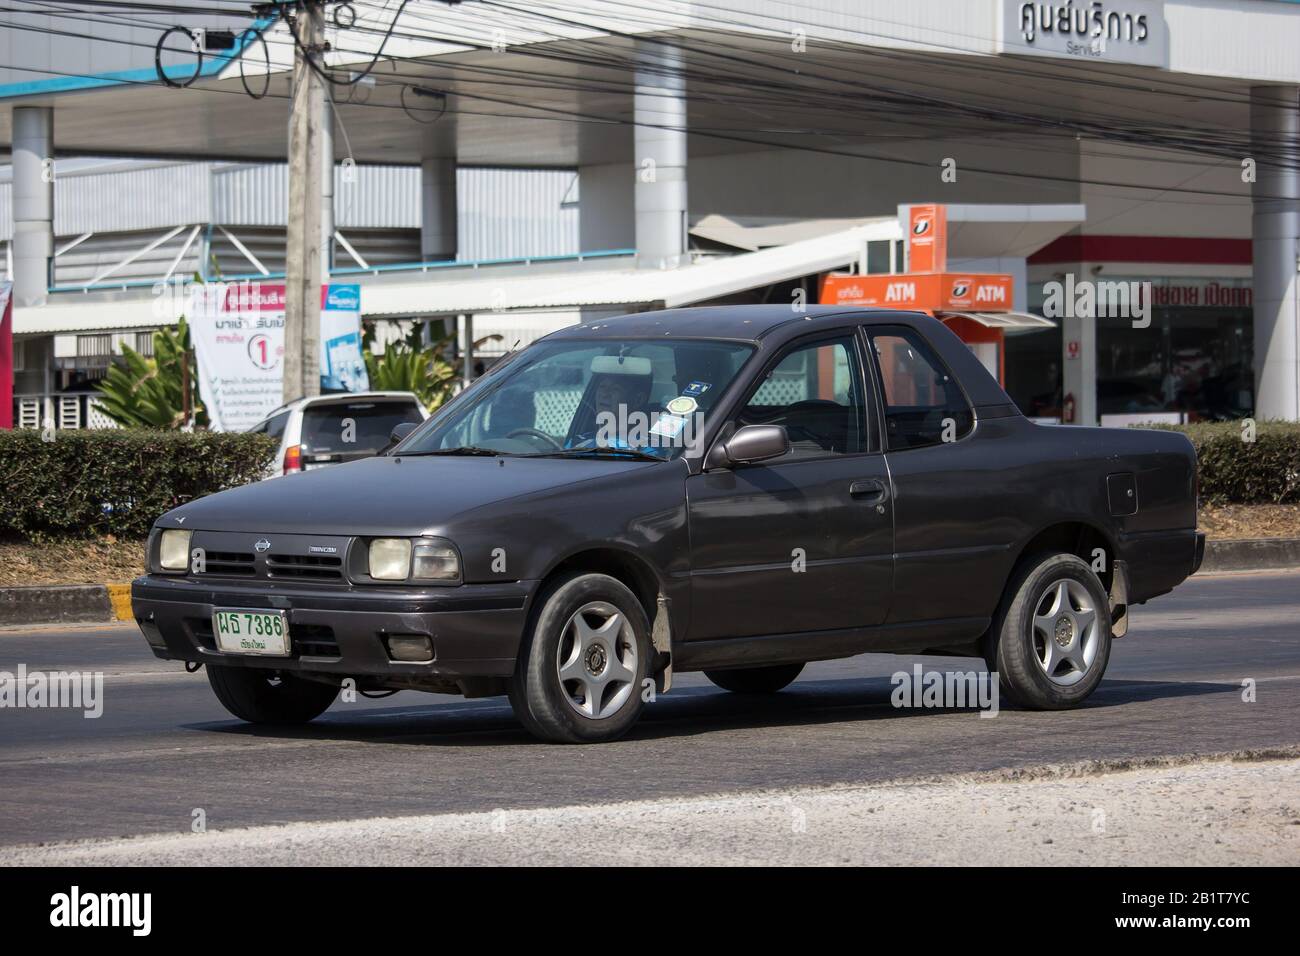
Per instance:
(742,152)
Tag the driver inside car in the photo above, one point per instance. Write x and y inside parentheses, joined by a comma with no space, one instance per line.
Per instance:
(615,399)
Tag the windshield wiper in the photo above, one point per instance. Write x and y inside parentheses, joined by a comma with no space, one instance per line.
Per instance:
(461,450)
(599,450)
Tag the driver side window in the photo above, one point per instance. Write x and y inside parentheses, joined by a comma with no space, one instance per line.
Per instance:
(815,392)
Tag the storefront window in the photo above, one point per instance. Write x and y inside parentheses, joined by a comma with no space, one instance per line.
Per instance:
(1195,357)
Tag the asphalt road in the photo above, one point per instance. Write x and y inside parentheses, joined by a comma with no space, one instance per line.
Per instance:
(164,747)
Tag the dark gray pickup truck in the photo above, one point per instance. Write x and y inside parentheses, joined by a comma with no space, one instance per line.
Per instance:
(733,490)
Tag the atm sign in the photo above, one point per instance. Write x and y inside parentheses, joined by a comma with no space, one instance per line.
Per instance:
(935,291)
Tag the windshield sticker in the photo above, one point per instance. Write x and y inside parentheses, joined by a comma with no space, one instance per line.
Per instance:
(683,405)
(696,389)
(669,426)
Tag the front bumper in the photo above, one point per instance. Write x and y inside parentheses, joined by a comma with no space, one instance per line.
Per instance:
(475,629)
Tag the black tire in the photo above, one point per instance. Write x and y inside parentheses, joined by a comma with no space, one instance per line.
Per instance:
(553,708)
(262,696)
(1018,650)
(756,680)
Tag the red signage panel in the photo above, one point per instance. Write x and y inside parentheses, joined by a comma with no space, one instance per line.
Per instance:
(960,291)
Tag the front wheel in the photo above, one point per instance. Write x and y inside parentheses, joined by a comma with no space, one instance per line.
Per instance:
(269,697)
(582,671)
(1050,641)
(755,680)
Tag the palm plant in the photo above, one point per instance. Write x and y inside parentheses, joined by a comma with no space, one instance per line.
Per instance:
(406,366)
(152,392)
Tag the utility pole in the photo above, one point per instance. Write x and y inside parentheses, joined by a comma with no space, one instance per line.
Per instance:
(303,254)
(327,189)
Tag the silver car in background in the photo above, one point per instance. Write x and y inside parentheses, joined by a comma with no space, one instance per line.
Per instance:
(332,429)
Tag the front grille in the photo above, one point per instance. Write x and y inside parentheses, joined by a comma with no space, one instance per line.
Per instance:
(305,560)
(229,564)
(305,567)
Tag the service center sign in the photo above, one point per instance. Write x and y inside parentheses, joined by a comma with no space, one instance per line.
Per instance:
(238,333)
(1128,31)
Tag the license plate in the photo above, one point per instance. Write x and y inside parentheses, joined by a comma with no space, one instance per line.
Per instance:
(251,632)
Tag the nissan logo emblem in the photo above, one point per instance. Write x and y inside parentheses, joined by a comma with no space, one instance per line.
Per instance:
(262,546)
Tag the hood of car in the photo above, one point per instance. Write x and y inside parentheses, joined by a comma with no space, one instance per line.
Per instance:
(376,496)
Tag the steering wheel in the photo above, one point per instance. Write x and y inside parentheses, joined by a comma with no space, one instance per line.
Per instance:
(534,433)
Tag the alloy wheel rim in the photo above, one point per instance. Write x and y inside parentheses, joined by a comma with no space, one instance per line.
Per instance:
(597,660)
(1065,632)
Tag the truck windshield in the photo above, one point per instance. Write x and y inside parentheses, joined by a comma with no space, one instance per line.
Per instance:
(638,397)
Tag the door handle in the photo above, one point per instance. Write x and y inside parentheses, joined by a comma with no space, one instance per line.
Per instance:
(868,490)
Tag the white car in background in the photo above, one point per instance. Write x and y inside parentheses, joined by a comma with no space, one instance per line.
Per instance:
(332,429)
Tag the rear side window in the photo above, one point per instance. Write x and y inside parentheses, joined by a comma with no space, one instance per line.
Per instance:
(923,403)
(275,427)
(328,428)
(272,426)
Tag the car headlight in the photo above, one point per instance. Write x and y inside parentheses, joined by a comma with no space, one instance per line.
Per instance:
(174,550)
(435,561)
(390,559)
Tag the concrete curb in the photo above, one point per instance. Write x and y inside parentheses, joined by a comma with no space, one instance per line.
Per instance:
(65,604)
(1251,554)
(100,603)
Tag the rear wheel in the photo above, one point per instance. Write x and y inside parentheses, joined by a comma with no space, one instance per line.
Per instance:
(755,680)
(1050,641)
(269,697)
(581,674)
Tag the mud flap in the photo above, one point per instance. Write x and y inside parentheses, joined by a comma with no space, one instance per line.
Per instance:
(662,638)
(1119,600)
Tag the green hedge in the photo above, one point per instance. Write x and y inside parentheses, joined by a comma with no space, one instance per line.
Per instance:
(1232,470)
(85,484)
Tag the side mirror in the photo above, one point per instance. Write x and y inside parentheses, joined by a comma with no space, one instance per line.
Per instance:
(400,431)
(752,444)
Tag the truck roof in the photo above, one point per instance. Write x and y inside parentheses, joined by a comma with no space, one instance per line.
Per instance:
(749,323)
(771,326)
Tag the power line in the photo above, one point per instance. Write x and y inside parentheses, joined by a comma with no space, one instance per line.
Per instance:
(1234,199)
(1200,141)
(1192,139)
(889,110)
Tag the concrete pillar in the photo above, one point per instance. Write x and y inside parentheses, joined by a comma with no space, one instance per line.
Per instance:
(659,142)
(33,202)
(438,209)
(1275,239)
(326,190)
(1078,354)
(1079,367)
